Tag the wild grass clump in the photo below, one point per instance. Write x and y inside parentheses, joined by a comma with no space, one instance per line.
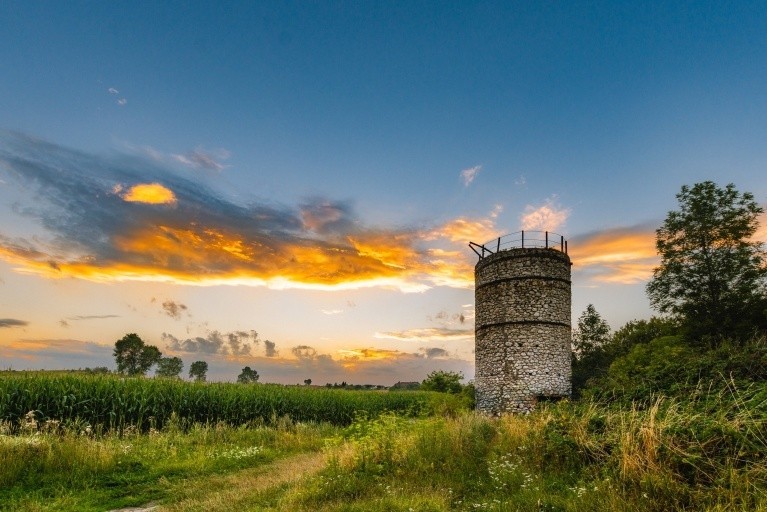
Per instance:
(671,454)
(108,402)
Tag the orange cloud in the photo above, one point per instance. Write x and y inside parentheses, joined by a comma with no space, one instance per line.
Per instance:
(148,193)
(466,230)
(547,217)
(118,235)
(761,231)
(618,256)
(427,334)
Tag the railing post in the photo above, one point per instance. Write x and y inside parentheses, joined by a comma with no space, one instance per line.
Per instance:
(565,246)
(523,238)
(547,239)
(562,243)
(498,247)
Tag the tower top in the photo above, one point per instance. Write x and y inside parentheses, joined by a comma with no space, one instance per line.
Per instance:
(521,240)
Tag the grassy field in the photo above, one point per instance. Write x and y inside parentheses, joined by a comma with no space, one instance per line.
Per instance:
(705,452)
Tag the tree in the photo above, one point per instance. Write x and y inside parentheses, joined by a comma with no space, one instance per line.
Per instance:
(133,356)
(592,333)
(308,382)
(443,381)
(169,367)
(591,349)
(711,275)
(247,376)
(198,370)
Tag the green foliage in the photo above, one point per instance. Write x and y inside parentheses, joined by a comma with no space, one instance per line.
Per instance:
(169,367)
(247,376)
(670,366)
(198,371)
(592,332)
(712,275)
(443,382)
(133,356)
(592,365)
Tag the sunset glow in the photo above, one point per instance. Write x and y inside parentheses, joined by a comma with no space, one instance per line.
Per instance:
(294,188)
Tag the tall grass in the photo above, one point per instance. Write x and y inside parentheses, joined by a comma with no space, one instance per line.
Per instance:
(702,453)
(109,402)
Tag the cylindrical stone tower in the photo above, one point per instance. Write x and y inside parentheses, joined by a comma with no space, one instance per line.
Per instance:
(522,347)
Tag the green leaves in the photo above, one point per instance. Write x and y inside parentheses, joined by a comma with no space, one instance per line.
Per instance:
(133,357)
(712,275)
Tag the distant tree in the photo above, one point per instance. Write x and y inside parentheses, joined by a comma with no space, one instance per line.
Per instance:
(198,371)
(247,376)
(97,369)
(712,273)
(133,356)
(443,381)
(169,367)
(308,382)
(405,386)
(592,332)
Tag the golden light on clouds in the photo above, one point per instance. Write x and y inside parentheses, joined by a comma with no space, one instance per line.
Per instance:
(148,193)
(198,255)
(617,256)
(547,217)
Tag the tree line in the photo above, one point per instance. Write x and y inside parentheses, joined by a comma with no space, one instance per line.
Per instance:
(710,290)
(135,358)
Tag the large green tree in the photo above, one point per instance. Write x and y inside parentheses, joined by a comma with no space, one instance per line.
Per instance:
(198,371)
(712,274)
(443,381)
(591,349)
(133,356)
(169,367)
(247,376)
(592,332)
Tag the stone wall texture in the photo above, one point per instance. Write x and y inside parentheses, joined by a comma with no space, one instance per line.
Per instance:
(522,349)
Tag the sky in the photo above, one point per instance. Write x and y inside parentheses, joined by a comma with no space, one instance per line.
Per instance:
(293,186)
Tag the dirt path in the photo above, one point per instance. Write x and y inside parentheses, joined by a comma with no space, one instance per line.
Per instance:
(223,492)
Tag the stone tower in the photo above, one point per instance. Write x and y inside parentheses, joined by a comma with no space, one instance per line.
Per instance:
(522,301)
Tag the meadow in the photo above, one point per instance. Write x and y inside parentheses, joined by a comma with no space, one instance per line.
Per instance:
(373,451)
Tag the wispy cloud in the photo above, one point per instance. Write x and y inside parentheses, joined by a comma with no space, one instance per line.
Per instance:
(435,353)
(12,322)
(468,175)
(174,309)
(549,216)
(332,311)
(624,255)
(201,159)
(91,317)
(427,334)
(270,349)
(238,343)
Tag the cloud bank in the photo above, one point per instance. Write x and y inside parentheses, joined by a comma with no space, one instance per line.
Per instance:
(118,218)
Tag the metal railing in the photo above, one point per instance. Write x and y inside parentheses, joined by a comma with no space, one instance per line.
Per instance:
(521,240)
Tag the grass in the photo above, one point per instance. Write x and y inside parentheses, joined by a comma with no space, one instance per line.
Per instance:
(703,452)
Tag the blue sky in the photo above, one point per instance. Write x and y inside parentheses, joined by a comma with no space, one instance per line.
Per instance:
(390,134)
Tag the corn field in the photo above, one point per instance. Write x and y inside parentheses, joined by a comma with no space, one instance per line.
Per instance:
(109,402)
